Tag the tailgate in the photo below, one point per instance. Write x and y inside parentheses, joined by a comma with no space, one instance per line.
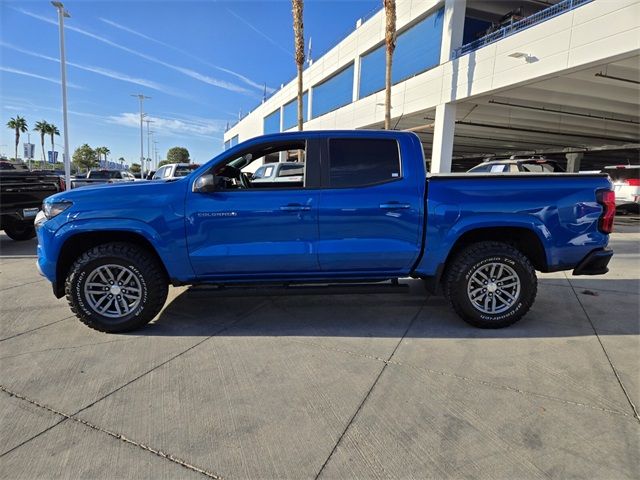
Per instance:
(17,194)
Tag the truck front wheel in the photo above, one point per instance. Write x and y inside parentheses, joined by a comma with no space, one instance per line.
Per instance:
(20,231)
(116,287)
(490,284)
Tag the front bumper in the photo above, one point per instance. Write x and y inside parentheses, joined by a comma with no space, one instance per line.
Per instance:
(595,263)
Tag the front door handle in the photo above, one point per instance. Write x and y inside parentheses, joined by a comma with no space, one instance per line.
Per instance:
(394,206)
(295,207)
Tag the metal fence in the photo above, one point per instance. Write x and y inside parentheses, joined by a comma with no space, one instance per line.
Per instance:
(518,26)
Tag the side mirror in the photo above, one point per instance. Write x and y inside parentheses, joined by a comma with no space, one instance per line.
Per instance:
(205,184)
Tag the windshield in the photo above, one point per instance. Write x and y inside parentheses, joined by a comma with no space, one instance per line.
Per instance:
(103,174)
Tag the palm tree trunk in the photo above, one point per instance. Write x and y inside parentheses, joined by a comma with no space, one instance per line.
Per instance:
(53,151)
(17,143)
(300,94)
(387,91)
(390,38)
(298,33)
(42,144)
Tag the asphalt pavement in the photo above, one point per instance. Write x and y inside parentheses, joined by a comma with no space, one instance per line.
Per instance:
(363,383)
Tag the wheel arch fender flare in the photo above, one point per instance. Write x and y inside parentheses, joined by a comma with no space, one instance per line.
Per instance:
(78,236)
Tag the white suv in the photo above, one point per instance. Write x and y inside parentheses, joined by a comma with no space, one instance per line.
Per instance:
(626,185)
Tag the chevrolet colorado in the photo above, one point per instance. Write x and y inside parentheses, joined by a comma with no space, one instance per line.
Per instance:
(365,210)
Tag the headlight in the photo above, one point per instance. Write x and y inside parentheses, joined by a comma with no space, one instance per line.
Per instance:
(53,209)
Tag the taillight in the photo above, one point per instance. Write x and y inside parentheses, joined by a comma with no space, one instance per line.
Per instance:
(634,182)
(607,199)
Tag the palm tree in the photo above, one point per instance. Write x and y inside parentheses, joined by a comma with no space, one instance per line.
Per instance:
(98,150)
(390,39)
(102,151)
(18,124)
(298,33)
(53,130)
(42,127)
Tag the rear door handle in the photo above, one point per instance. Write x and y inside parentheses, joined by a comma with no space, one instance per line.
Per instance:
(394,206)
(295,207)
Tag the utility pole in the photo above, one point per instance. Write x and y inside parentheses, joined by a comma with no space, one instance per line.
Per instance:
(155,153)
(62,13)
(148,121)
(142,98)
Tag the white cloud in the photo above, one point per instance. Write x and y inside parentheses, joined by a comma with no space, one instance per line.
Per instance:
(185,71)
(35,75)
(245,79)
(167,126)
(103,71)
(260,32)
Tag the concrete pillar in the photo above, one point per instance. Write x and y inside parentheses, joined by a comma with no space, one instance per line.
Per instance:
(445,123)
(282,156)
(573,161)
(443,131)
(452,28)
(356,79)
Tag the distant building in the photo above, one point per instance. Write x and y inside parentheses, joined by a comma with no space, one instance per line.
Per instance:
(481,78)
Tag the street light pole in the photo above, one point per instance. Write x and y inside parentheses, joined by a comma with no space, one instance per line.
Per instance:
(142,98)
(62,13)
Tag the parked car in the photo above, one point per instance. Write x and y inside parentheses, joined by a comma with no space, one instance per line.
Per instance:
(174,170)
(626,185)
(292,172)
(364,212)
(518,165)
(96,177)
(21,196)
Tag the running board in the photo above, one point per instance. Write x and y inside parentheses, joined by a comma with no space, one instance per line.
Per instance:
(302,289)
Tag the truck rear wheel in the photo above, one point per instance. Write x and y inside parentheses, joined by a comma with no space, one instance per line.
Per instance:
(116,287)
(20,231)
(491,284)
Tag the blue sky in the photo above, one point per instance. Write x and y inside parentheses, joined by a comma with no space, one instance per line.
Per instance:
(201,62)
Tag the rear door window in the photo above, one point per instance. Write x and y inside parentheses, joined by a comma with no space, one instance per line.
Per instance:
(359,163)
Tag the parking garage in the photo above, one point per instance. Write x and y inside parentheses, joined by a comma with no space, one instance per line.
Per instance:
(560,79)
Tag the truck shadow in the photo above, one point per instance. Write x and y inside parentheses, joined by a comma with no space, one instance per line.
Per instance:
(12,249)
(256,312)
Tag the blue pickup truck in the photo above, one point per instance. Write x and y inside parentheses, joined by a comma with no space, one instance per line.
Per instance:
(363,210)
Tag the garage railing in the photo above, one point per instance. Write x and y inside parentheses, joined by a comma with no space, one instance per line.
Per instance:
(518,26)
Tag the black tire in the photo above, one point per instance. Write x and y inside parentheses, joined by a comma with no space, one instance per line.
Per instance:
(473,261)
(146,273)
(20,231)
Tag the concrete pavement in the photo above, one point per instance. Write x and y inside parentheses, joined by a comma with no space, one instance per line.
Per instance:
(385,384)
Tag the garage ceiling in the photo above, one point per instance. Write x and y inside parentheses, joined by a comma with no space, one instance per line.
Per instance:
(595,108)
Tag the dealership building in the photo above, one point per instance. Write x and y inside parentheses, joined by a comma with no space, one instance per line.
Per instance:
(476,79)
